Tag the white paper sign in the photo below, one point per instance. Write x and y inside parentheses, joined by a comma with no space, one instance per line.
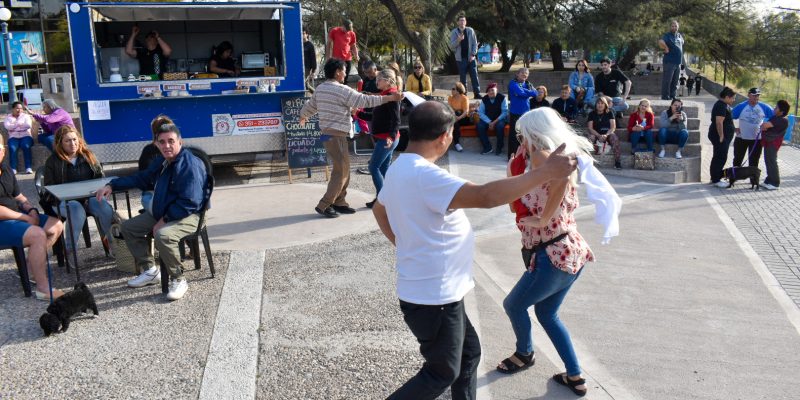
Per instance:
(413,98)
(99,110)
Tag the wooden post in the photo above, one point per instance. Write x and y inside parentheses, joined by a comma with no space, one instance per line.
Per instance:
(327,174)
(290,175)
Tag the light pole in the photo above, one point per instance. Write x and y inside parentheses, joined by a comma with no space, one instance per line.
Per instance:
(5,15)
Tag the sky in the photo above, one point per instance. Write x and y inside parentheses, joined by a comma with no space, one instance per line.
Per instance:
(766,5)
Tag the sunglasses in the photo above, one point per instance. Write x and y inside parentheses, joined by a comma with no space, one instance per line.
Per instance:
(418,67)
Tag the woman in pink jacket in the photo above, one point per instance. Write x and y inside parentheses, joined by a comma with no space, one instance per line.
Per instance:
(54,117)
(18,125)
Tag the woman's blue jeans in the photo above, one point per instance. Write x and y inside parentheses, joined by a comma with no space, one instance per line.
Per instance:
(77,216)
(648,138)
(380,161)
(544,288)
(47,140)
(672,136)
(14,144)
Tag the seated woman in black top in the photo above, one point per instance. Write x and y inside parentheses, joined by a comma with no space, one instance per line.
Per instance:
(72,161)
(222,62)
(602,128)
(540,100)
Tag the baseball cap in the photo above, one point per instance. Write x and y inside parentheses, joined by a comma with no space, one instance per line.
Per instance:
(754,90)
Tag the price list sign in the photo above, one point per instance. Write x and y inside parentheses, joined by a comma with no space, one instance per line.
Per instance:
(303,146)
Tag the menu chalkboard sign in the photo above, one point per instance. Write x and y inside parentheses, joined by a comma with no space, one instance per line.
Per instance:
(303,146)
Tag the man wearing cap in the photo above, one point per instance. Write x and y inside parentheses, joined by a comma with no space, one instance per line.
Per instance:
(342,45)
(672,45)
(493,112)
(750,114)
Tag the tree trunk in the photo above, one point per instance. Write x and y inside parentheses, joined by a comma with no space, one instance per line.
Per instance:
(507,62)
(416,41)
(629,56)
(555,55)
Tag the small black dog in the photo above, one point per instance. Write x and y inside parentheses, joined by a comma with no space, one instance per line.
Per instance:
(63,308)
(734,174)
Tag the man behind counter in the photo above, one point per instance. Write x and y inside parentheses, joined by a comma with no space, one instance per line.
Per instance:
(153,57)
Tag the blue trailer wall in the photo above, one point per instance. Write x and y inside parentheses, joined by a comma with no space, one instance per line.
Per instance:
(131,114)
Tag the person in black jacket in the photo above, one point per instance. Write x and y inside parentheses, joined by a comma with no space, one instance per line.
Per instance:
(385,130)
(180,180)
(566,106)
(309,60)
(72,161)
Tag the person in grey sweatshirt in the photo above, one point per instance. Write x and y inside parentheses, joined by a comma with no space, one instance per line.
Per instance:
(464,44)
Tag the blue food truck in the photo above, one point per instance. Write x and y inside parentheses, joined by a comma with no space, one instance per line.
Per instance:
(221,114)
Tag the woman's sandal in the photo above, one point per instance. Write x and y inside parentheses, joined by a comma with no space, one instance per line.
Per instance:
(562,379)
(516,363)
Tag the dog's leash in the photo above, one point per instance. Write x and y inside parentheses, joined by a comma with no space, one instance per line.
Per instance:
(49,275)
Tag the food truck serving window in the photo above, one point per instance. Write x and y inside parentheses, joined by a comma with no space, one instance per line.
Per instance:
(147,41)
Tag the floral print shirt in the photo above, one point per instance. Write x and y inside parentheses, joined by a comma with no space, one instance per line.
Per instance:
(568,254)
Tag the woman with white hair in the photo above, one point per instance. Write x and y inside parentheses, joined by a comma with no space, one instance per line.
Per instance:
(52,118)
(553,250)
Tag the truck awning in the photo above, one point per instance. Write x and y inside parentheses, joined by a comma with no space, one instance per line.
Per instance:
(183,11)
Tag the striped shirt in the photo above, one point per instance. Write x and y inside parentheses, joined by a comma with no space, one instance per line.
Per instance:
(333,101)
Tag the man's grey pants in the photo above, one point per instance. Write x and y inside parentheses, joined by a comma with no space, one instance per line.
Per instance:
(136,232)
(669,81)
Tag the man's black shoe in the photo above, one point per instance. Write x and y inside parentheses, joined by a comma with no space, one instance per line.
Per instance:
(328,212)
(344,209)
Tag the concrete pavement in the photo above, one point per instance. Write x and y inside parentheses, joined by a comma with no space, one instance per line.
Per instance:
(681,305)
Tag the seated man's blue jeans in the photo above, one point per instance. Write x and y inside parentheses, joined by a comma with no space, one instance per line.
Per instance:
(483,134)
(77,217)
(47,140)
(472,66)
(14,144)
(673,137)
(648,138)
(380,161)
(545,289)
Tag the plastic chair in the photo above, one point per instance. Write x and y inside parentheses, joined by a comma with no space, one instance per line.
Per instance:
(59,246)
(201,232)
(22,268)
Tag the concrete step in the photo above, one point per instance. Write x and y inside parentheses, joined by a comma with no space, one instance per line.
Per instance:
(669,177)
(623,135)
(691,149)
(689,165)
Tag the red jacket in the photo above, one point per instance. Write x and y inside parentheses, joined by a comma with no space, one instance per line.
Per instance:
(518,168)
(636,119)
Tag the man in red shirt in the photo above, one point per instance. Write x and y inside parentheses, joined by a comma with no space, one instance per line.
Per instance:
(342,45)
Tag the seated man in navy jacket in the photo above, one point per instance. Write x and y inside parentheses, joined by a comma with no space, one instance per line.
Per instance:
(566,105)
(179,179)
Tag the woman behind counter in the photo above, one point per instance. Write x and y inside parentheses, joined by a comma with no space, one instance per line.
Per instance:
(222,62)
(72,161)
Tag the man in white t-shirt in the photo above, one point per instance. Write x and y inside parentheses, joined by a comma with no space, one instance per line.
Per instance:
(420,210)
(750,114)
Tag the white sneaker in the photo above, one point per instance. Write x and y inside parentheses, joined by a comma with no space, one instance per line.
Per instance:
(721,184)
(459,148)
(14,171)
(149,277)
(678,155)
(768,186)
(662,153)
(177,288)
(28,171)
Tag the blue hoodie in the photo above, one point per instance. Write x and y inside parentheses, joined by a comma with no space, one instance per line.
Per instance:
(518,95)
(178,189)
